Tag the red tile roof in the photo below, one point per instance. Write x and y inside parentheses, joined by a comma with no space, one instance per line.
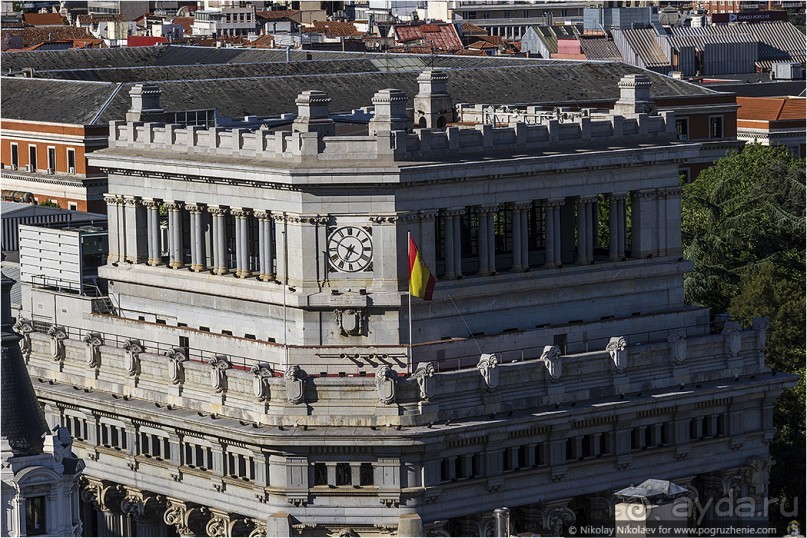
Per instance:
(336,29)
(278,14)
(43,19)
(87,20)
(440,36)
(41,34)
(771,108)
(469,29)
(185,22)
(145,41)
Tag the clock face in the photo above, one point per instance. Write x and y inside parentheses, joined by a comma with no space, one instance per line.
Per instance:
(350,249)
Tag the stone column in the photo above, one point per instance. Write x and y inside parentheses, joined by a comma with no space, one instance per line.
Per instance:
(242,243)
(589,206)
(482,240)
(265,246)
(197,237)
(114,255)
(219,240)
(175,231)
(282,271)
(490,214)
(457,213)
(661,222)
(672,225)
(557,207)
(521,245)
(643,220)
(153,236)
(136,244)
(616,227)
(583,215)
(553,245)
(449,246)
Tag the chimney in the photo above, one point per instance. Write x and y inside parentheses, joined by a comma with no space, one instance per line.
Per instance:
(145,104)
(390,111)
(634,97)
(312,113)
(433,106)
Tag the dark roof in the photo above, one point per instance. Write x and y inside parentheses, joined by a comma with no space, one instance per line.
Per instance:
(23,422)
(478,81)
(762,89)
(600,48)
(55,101)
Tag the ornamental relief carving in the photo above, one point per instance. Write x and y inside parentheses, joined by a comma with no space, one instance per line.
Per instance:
(133,349)
(733,338)
(617,348)
(218,377)
(678,347)
(261,373)
(295,384)
(385,380)
(350,321)
(176,370)
(551,359)
(94,342)
(487,366)
(24,327)
(424,371)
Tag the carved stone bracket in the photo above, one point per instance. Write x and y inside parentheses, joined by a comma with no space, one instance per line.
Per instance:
(25,327)
(261,373)
(551,357)
(259,529)
(617,348)
(678,347)
(423,376)
(94,342)
(141,505)
(385,380)
(57,335)
(557,518)
(176,370)
(487,366)
(732,337)
(218,377)
(133,349)
(295,384)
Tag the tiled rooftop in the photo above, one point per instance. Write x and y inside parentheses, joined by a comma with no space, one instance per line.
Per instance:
(772,108)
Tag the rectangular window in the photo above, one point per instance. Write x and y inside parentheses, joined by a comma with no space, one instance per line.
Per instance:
(32,157)
(15,155)
(536,227)
(366,474)
(320,474)
(35,516)
(72,205)
(682,128)
(71,160)
(52,159)
(716,127)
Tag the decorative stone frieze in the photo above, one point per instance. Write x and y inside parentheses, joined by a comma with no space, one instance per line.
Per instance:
(133,349)
(422,375)
(295,384)
(617,348)
(261,373)
(551,357)
(678,347)
(57,334)
(94,342)
(487,366)
(218,377)
(385,380)
(24,327)
(176,370)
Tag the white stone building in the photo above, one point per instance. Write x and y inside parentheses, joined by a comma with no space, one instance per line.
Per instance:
(256,376)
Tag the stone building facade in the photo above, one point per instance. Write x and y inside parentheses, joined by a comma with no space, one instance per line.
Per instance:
(257,361)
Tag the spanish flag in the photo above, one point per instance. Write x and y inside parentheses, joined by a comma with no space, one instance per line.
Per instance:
(421,281)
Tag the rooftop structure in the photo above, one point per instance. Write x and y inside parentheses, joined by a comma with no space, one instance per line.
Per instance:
(256,374)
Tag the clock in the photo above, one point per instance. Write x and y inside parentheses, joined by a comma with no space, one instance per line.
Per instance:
(350,249)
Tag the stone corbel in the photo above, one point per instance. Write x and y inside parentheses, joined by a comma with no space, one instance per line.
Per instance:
(556,519)
(732,337)
(551,359)
(422,375)
(218,377)
(261,373)
(678,347)
(94,342)
(176,370)
(133,349)
(295,384)
(25,327)
(140,505)
(487,366)
(617,348)
(258,529)
(385,379)
(57,335)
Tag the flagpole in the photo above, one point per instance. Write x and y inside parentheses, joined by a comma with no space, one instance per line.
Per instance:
(409,298)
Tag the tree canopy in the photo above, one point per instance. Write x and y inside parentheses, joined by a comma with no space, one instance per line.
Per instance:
(743,226)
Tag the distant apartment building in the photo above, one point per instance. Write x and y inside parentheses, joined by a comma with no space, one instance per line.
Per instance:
(773,121)
(507,19)
(225,18)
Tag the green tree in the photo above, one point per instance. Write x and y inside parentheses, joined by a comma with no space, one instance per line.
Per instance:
(743,226)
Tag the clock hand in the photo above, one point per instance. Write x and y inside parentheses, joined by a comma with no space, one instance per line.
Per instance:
(350,249)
